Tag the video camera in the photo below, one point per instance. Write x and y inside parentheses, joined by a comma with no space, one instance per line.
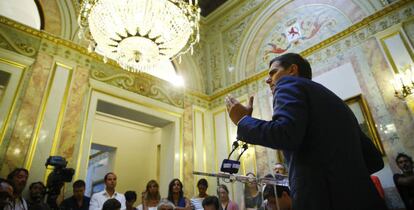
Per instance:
(57,178)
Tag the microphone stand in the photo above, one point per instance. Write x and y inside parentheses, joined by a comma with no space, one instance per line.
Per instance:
(279,180)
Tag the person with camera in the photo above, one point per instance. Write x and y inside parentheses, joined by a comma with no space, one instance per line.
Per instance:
(18,177)
(98,199)
(37,192)
(78,201)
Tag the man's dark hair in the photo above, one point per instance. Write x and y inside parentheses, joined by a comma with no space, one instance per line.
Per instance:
(269,191)
(130,195)
(15,172)
(202,182)
(211,200)
(400,155)
(78,184)
(107,174)
(35,183)
(286,60)
(111,204)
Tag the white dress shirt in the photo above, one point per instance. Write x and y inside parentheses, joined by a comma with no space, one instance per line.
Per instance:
(18,204)
(98,199)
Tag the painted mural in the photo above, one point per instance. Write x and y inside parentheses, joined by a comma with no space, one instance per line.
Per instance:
(300,29)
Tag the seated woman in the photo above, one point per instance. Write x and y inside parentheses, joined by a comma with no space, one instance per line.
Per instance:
(176,195)
(252,195)
(150,197)
(197,200)
(225,202)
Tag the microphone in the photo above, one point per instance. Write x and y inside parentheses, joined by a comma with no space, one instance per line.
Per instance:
(232,166)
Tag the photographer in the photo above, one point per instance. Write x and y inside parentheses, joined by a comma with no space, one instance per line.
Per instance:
(57,178)
(37,191)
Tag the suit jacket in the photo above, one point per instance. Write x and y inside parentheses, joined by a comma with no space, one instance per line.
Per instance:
(330,159)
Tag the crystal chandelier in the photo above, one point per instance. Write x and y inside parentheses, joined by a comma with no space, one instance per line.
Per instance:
(140,33)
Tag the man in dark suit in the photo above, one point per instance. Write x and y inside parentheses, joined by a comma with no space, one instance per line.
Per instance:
(329,157)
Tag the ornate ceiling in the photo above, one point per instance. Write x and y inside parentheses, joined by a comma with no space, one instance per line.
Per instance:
(208,6)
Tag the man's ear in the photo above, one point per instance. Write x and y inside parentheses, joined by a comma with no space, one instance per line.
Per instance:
(294,70)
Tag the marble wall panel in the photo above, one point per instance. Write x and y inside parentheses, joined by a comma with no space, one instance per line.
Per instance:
(73,123)
(21,138)
(188,150)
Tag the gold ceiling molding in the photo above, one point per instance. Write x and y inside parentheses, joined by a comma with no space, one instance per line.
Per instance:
(357,26)
(19,47)
(123,80)
(148,87)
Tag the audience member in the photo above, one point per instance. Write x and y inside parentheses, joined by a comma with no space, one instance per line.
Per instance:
(111,204)
(151,196)
(78,201)
(283,201)
(225,202)
(211,203)
(197,201)
(165,205)
(176,195)
(6,193)
(98,199)
(37,192)
(130,198)
(18,177)
(202,186)
(279,168)
(405,180)
(252,195)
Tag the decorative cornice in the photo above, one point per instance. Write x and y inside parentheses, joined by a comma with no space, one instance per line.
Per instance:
(357,26)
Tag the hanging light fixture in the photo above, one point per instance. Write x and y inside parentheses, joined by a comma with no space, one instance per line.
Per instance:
(139,34)
(403,82)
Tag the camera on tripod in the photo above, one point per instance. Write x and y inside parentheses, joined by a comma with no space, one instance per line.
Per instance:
(57,178)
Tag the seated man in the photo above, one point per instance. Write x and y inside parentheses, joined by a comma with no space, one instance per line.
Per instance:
(78,201)
(211,203)
(405,180)
(283,201)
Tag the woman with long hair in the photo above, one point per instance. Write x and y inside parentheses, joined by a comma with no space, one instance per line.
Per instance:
(225,202)
(151,196)
(176,195)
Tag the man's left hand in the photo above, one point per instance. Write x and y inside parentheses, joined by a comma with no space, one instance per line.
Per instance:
(236,110)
